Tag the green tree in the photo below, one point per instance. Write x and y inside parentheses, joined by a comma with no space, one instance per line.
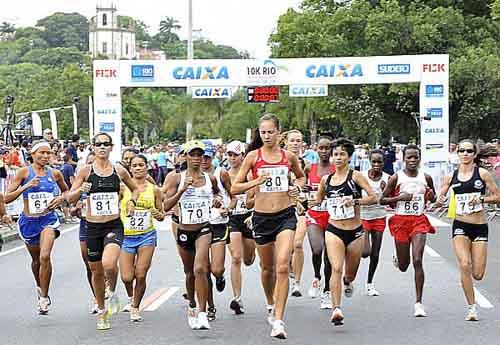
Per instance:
(7,28)
(56,57)
(65,30)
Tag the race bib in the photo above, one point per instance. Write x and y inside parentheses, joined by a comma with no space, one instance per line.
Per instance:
(104,204)
(321,207)
(139,221)
(277,180)
(241,204)
(337,210)
(195,211)
(464,205)
(415,207)
(38,202)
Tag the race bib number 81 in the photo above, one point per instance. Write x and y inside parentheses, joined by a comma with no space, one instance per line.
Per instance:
(38,202)
(337,209)
(277,180)
(104,204)
(415,207)
(195,211)
(464,203)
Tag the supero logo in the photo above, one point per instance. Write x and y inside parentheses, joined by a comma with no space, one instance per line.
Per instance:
(201,72)
(433,67)
(334,71)
(106,73)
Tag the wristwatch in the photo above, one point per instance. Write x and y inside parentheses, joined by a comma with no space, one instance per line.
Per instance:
(356,202)
(482,199)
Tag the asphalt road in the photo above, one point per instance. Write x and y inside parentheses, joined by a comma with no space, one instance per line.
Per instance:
(383,320)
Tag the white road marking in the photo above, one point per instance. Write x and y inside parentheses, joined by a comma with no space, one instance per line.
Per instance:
(481,300)
(431,252)
(16,249)
(162,299)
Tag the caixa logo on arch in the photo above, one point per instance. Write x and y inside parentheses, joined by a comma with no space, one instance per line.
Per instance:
(200,72)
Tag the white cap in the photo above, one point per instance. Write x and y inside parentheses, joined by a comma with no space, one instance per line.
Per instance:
(236,147)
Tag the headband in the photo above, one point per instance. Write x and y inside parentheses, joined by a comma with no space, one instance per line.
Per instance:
(39,145)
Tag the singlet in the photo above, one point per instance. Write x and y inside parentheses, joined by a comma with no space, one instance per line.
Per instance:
(278,173)
(465,191)
(104,193)
(375,211)
(336,196)
(414,185)
(39,197)
(141,221)
(215,217)
(314,180)
(195,203)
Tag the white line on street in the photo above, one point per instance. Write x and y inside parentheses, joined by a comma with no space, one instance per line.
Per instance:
(481,300)
(16,249)
(162,299)
(431,252)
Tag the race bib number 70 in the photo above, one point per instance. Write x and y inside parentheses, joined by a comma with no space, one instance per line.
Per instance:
(195,211)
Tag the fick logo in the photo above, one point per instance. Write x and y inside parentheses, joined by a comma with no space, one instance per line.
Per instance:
(433,67)
(106,73)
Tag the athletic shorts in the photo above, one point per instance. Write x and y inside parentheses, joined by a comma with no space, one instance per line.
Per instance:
(220,233)
(266,226)
(377,225)
(82,233)
(30,228)
(237,224)
(319,218)
(475,232)
(347,236)
(131,244)
(99,235)
(187,239)
(403,228)
(175,219)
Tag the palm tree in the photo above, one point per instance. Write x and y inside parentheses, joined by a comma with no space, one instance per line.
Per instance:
(168,25)
(7,28)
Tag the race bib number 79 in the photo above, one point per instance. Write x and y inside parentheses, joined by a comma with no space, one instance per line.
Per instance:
(464,203)
(277,180)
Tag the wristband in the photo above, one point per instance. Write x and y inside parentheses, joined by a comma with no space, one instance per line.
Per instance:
(132,201)
(356,202)
(482,199)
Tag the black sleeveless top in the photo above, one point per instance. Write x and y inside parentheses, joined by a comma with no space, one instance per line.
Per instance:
(346,188)
(104,184)
(473,185)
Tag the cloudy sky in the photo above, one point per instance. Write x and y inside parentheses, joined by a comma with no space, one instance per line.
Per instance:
(243,24)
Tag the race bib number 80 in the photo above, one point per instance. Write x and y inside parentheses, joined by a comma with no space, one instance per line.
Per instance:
(38,202)
(337,209)
(464,203)
(277,180)
(104,204)
(195,211)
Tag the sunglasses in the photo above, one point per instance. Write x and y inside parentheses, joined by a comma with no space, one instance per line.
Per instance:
(466,150)
(105,144)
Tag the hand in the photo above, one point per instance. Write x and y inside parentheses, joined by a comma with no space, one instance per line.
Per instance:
(429,195)
(85,187)
(441,200)
(55,203)
(313,203)
(217,202)
(476,200)
(262,179)
(294,191)
(6,219)
(248,222)
(33,182)
(224,212)
(348,202)
(158,215)
(188,182)
(130,208)
(405,197)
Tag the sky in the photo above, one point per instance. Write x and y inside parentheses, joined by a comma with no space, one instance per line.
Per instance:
(243,24)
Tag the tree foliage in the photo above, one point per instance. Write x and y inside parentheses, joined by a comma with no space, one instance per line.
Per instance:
(65,30)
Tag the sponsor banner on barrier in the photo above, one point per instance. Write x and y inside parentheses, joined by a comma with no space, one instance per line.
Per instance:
(434,68)
(434,91)
(393,69)
(142,73)
(308,90)
(212,92)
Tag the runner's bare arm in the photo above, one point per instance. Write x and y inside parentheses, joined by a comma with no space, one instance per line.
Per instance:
(76,189)
(494,193)
(300,177)
(430,194)
(128,181)
(444,190)
(13,192)
(320,194)
(388,197)
(173,193)
(157,212)
(371,197)
(56,202)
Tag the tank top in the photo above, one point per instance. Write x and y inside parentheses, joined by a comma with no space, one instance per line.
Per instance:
(336,195)
(104,193)
(465,191)
(215,216)
(39,197)
(278,173)
(375,211)
(141,221)
(314,180)
(195,203)
(414,185)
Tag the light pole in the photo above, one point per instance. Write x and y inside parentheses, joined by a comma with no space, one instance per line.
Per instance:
(189,120)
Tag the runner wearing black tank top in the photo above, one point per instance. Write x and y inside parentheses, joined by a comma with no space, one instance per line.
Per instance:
(469,184)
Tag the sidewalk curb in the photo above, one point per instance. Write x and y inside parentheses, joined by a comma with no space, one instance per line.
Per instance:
(9,236)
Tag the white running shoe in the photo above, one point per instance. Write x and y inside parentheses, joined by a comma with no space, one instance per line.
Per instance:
(348,289)
(270,314)
(296,289)
(43,305)
(371,291)
(203,321)
(278,330)
(192,314)
(315,289)
(472,313)
(114,304)
(337,317)
(38,293)
(135,316)
(94,308)
(326,300)
(127,307)
(419,310)
(395,262)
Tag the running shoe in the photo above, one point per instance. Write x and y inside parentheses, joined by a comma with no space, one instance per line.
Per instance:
(326,301)
(296,289)
(38,293)
(472,313)
(220,283)
(94,308)
(135,316)
(203,321)
(278,330)
(348,289)
(337,317)
(211,314)
(419,310)
(103,320)
(315,289)
(237,306)
(371,291)
(43,305)
(192,317)
(270,314)
(127,306)
(114,304)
